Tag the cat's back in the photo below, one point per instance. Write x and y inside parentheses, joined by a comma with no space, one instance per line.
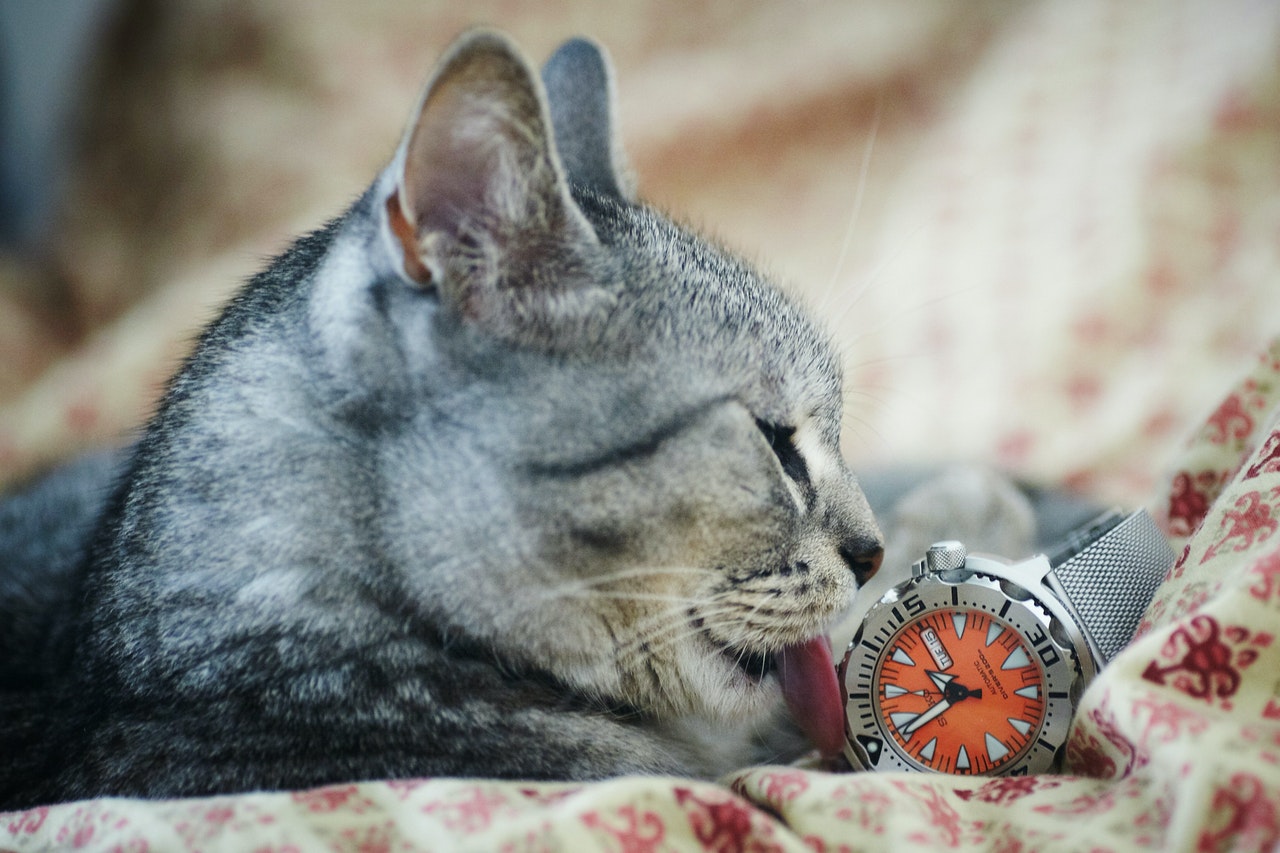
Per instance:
(45,531)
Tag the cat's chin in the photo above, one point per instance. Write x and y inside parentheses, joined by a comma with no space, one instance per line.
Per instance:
(736,683)
(802,673)
(756,666)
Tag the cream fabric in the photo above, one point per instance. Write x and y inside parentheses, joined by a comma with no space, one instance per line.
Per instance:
(1046,233)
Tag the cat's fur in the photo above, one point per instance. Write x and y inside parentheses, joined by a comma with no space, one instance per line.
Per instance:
(501,473)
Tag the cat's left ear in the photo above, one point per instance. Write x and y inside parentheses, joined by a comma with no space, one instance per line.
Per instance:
(580,87)
(479,209)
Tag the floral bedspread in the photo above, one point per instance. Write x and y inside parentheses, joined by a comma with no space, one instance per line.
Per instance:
(1176,745)
(1056,217)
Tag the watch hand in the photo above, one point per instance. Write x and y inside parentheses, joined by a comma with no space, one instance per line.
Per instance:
(940,679)
(955,691)
(927,717)
(952,692)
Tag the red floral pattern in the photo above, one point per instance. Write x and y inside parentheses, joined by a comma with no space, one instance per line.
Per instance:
(1101,750)
(1267,461)
(472,811)
(331,798)
(1190,498)
(26,823)
(1251,520)
(1266,579)
(1243,816)
(1164,720)
(724,823)
(1232,420)
(1006,790)
(782,786)
(1204,660)
(630,829)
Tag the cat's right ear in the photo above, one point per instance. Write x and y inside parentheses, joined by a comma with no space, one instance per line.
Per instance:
(477,207)
(580,89)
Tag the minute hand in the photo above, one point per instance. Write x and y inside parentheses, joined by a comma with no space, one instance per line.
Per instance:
(952,692)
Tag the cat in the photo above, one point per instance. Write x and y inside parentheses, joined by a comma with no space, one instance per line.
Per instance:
(500,473)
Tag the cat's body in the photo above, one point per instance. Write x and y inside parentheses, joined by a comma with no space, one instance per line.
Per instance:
(501,474)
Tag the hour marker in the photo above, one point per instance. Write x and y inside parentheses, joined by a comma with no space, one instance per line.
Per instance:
(993,632)
(927,752)
(892,691)
(1022,726)
(962,759)
(902,657)
(1029,692)
(959,620)
(902,719)
(995,749)
(1017,659)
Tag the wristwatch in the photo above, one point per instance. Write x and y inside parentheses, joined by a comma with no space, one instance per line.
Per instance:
(975,664)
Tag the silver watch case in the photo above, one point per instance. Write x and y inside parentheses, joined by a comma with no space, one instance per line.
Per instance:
(1015,592)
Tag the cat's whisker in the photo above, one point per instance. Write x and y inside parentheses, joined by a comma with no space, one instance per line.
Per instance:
(620,595)
(659,627)
(846,351)
(661,620)
(705,608)
(859,400)
(633,572)
(918,306)
(588,587)
(847,347)
(868,281)
(720,609)
(859,192)
(644,650)
(872,394)
(862,428)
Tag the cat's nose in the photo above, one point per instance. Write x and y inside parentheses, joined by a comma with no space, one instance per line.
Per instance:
(863,554)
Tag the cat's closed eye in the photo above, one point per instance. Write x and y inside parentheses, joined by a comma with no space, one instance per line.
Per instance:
(781,441)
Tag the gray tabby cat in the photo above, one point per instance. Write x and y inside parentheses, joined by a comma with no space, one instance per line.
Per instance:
(500,474)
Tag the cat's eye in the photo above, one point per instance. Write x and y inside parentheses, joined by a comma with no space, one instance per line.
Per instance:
(781,441)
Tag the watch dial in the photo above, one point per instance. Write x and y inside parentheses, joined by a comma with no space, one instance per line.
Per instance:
(960,691)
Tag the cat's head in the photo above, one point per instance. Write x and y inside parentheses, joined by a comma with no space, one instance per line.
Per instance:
(604,447)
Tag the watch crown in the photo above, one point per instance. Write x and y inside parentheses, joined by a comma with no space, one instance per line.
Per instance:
(945,556)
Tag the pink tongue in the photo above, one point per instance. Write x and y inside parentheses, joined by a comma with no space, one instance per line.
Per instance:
(809,684)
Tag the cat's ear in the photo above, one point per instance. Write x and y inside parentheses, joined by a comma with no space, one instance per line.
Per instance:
(479,208)
(579,81)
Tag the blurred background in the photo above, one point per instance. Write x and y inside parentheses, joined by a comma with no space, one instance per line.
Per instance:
(1045,233)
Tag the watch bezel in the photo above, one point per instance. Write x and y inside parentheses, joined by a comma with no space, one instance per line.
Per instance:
(868,746)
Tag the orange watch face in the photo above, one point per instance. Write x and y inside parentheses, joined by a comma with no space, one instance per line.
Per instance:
(960,691)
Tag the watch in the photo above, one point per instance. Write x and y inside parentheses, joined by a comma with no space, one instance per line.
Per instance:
(974,665)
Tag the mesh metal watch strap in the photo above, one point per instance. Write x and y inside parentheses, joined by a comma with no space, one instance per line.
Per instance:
(1108,571)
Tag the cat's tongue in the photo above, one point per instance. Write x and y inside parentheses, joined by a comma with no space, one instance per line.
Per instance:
(809,685)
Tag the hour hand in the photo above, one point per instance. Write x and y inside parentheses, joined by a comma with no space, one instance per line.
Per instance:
(940,679)
(924,719)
